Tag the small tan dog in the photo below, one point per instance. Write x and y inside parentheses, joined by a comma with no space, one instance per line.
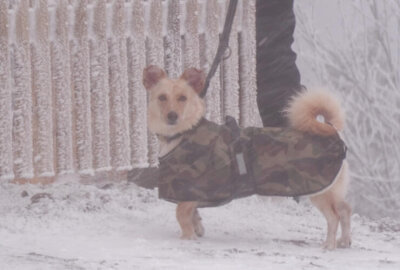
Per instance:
(175,107)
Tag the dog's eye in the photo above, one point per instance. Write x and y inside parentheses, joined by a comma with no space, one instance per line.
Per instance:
(162,97)
(182,98)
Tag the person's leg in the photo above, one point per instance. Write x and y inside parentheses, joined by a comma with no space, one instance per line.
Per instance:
(277,75)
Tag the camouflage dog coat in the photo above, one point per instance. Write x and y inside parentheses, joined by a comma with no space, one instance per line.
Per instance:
(215,164)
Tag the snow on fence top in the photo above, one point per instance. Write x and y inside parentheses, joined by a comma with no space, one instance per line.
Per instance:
(71,97)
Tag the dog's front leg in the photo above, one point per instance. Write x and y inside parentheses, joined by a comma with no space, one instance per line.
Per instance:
(185,214)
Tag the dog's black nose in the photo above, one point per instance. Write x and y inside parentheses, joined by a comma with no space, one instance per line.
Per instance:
(172,117)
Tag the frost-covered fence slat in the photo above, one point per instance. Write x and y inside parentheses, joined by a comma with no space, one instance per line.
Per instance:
(6,167)
(22,95)
(117,64)
(191,55)
(43,151)
(154,41)
(60,68)
(211,36)
(230,72)
(80,83)
(155,56)
(249,115)
(172,48)
(99,87)
(137,93)
(71,91)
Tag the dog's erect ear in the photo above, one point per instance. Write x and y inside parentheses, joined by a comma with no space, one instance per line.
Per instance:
(152,75)
(195,78)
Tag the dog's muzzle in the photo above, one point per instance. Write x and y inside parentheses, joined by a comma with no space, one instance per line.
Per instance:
(172,117)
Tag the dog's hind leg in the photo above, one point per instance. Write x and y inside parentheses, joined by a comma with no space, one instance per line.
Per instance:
(344,211)
(198,226)
(184,214)
(323,203)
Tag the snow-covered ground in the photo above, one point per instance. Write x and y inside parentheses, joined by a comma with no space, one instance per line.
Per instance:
(119,226)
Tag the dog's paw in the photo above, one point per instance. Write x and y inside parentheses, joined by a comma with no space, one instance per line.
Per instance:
(188,237)
(344,243)
(199,229)
(329,245)
(198,225)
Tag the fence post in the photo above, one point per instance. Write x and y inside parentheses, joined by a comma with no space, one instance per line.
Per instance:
(117,64)
(230,71)
(99,88)
(155,56)
(80,84)
(6,166)
(43,151)
(172,49)
(249,115)
(154,41)
(60,66)
(213,97)
(137,92)
(191,55)
(22,95)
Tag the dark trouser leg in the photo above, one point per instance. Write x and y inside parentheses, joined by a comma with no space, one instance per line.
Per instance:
(277,75)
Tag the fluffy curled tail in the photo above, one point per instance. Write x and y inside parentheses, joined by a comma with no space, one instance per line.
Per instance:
(315,111)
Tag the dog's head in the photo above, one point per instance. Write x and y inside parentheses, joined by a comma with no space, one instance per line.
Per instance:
(174,104)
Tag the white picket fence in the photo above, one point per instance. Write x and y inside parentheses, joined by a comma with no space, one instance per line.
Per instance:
(71,94)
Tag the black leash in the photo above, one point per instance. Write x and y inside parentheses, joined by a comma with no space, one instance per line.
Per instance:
(223,44)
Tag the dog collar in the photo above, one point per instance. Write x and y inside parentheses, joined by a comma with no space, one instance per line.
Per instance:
(169,139)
